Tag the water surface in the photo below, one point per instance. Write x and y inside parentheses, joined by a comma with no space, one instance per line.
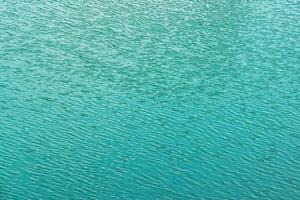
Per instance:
(151,99)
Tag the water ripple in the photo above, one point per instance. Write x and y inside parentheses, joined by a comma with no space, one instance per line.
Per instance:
(149,100)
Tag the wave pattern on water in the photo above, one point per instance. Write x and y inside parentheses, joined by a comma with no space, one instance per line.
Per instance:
(149,100)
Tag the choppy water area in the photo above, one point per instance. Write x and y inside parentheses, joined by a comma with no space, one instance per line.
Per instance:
(160,99)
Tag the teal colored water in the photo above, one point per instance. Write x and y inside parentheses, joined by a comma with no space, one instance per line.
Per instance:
(154,99)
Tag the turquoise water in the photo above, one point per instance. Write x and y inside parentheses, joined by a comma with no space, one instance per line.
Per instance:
(156,99)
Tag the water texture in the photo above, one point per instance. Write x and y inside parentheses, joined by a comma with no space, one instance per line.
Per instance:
(150,99)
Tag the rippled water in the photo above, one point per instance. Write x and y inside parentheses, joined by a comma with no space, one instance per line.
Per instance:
(156,99)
